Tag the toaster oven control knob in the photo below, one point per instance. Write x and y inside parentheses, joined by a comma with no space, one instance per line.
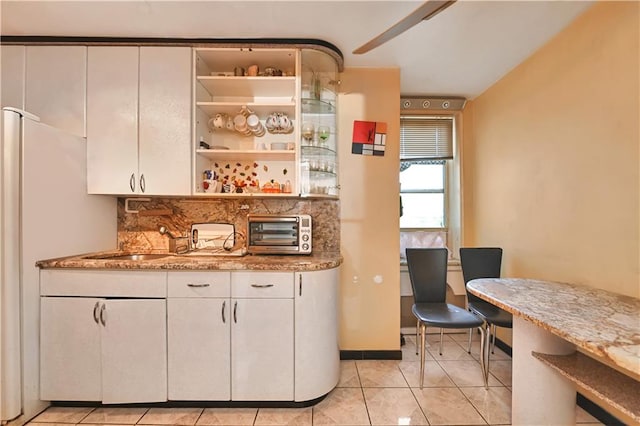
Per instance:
(305,246)
(305,237)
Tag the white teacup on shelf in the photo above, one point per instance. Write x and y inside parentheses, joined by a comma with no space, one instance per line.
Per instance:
(254,124)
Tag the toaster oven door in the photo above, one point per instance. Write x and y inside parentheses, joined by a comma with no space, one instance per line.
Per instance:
(274,235)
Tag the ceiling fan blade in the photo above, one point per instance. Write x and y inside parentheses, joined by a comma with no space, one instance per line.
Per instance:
(428,10)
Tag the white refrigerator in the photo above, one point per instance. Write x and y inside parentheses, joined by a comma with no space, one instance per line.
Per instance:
(45,213)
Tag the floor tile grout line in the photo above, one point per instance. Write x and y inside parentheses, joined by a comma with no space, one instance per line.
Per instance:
(87,415)
(474,406)
(255,417)
(364,399)
(419,405)
(199,416)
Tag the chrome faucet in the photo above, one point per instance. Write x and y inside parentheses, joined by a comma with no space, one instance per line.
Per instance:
(177,245)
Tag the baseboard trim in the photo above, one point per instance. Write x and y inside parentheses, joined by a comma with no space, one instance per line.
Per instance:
(504,347)
(596,411)
(197,404)
(360,355)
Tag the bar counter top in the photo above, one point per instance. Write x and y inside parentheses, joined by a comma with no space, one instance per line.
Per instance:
(600,323)
(100,260)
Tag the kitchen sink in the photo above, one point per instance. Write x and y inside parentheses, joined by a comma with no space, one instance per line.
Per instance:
(135,256)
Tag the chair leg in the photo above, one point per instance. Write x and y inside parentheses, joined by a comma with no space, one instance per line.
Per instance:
(493,338)
(469,345)
(417,327)
(441,334)
(423,338)
(484,354)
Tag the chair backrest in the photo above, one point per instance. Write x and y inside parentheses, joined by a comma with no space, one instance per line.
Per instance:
(480,262)
(428,274)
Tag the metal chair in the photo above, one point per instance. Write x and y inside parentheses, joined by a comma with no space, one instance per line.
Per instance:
(428,275)
(484,262)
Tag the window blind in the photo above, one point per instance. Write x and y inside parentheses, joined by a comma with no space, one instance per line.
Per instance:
(426,138)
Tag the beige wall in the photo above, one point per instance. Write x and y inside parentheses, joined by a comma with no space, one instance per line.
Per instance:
(551,157)
(369,204)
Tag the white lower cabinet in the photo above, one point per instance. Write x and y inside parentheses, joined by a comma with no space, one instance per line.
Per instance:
(199,336)
(103,336)
(70,344)
(317,354)
(230,336)
(106,350)
(148,336)
(134,351)
(262,350)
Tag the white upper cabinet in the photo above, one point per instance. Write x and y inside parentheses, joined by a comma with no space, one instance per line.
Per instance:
(246,84)
(112,119)
(55,86)
(139,120)
(298,158)
(165,120)
(12,73)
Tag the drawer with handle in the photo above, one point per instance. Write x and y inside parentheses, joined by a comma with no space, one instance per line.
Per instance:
(199,284)
(276,285)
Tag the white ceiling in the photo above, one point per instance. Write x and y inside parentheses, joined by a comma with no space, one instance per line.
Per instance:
(460,52)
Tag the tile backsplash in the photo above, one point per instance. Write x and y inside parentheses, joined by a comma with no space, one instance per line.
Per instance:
(139,231)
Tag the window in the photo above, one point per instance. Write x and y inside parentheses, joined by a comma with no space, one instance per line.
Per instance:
(426,146)
(422,191)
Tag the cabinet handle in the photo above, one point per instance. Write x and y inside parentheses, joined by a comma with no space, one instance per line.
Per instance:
(142,183)
(300,283)
(132,182)
(103,315)
(224,304)
(198,285)
(261,285)
(95,313)
(235,308)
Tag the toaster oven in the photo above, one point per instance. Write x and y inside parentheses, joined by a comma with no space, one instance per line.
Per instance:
(279,234)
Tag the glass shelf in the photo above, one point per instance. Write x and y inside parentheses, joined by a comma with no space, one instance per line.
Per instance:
(321,174)
(312,150)
(317,106)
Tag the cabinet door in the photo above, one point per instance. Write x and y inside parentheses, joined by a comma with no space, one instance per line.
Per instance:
(112,120)
(55,86)
(70,349)
(12,75)
(134,351)
(317,355)
(199,348)
(165,120)
(262,350)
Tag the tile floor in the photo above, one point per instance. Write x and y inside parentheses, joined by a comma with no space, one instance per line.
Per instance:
(369,393)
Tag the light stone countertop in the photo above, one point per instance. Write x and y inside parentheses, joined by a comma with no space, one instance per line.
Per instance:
(313,262)
(603,324)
